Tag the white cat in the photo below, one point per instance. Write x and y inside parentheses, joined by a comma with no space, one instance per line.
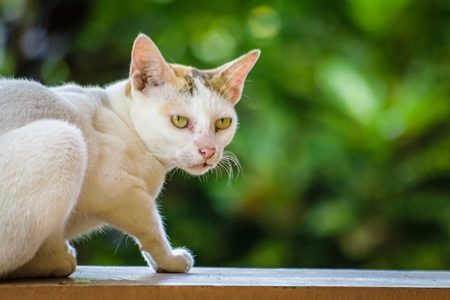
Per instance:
(73,159)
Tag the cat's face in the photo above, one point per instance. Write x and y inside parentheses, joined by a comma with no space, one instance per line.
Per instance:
(184,123)
(185,116)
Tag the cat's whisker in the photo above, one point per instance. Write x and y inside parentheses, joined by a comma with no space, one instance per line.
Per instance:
(227,163)
(218,171)
(225,91)
(177,172)
(231,75)
(246,97)
(204,177)
(119,241)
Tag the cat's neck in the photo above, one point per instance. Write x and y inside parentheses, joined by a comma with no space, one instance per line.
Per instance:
(119,97)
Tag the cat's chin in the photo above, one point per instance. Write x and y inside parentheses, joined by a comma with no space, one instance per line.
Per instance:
(198,169)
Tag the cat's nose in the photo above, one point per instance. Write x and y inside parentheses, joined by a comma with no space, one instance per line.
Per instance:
(207,152)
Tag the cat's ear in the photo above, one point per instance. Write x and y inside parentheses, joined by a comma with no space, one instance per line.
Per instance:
(148,67)
(233,74)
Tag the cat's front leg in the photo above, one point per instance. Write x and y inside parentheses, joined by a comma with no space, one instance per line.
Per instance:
(140,218)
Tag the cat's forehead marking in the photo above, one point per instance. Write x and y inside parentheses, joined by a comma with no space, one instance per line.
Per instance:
(189,85)
(185,74)
(204,76)
(190,76)
(209,79)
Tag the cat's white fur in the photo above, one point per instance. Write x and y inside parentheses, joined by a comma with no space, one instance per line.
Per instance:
(73,159)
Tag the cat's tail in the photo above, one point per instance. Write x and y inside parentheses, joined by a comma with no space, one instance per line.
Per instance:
(42,167)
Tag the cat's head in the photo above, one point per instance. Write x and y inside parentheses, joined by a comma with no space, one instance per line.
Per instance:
(185,116)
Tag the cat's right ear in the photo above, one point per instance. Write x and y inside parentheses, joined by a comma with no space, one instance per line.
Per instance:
(148,67)
(233,74)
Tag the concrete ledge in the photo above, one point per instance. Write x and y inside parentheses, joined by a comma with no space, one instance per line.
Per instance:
(233,283)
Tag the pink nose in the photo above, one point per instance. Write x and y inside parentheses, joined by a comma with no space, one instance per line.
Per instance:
(207,152)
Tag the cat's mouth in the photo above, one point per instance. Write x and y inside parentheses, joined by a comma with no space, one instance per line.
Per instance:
(203,165)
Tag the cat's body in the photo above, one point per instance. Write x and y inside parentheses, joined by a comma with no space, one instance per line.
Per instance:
(73,159)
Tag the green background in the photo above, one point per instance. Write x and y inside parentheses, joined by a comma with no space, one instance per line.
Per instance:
(344,135)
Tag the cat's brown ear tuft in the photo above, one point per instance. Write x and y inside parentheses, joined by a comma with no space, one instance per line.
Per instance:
(234,74)
(148,67)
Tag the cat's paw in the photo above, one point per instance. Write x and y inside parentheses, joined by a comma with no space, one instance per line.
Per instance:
(64,267)
(180,261)
(54,266)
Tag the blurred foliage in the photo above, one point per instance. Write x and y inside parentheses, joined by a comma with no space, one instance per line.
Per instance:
(344,135)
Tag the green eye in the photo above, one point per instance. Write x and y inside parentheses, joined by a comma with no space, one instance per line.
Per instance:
(223,123)
(179,121)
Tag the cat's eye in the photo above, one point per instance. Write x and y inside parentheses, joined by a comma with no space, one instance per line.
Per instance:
(223,123)
(179,121)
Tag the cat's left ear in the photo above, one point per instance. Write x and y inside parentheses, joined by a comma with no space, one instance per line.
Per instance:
(148,67)
(234,73)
